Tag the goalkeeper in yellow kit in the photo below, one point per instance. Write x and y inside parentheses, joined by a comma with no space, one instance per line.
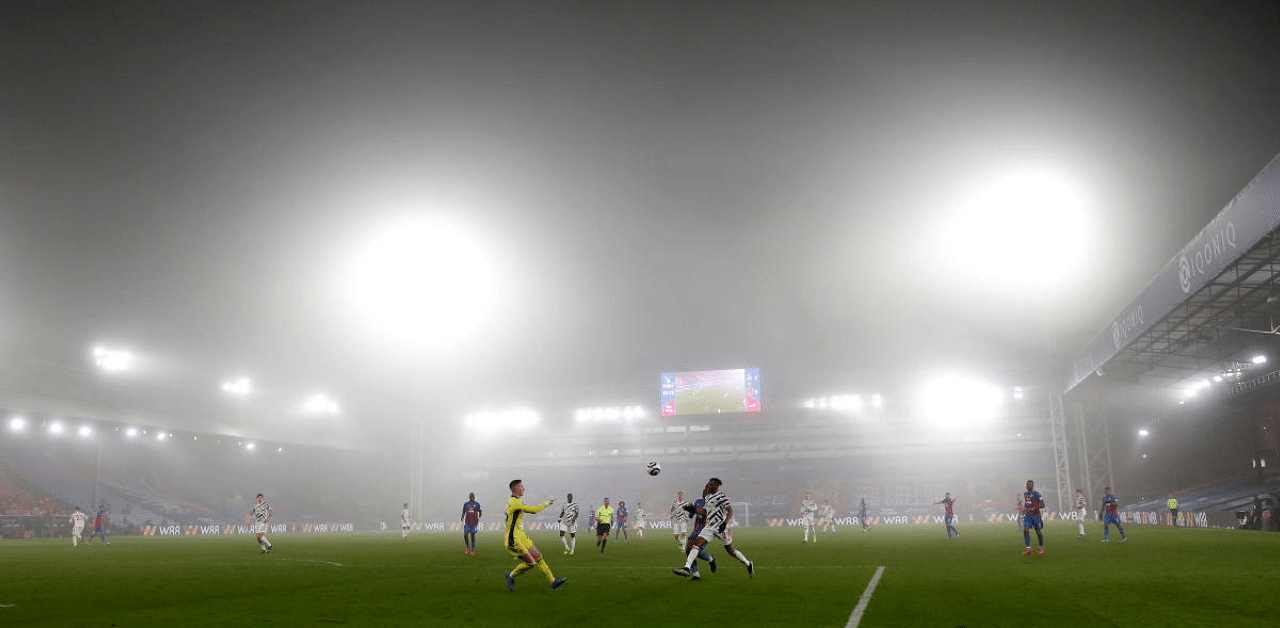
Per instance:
(519,545)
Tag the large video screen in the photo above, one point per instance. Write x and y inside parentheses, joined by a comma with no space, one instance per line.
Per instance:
(710,392)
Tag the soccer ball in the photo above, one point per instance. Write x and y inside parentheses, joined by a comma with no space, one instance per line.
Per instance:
(654,468)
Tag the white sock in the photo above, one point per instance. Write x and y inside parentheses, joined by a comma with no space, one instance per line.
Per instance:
(738,555)
(264,542)
(573,543)
(693,556)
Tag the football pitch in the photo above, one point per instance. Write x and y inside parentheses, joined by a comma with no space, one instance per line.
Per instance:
(1160,577)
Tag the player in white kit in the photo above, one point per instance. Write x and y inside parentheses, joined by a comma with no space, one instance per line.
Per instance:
(808,508)
(1081,511)
(569,523)
(261,514)
(404,523)
(679,520)
(78,519)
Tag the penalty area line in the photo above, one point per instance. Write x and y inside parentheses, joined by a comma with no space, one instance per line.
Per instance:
(856,616)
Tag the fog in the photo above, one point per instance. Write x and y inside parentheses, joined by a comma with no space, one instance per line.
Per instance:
(425,212)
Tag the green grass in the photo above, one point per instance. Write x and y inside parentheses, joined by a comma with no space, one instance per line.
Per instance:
(1160,577)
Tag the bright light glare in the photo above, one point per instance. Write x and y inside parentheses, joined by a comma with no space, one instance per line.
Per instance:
(131,432)
(424,281)
(249,446)
(17,424)
(239,386)
(112,360)
(1025,227)
(1259,359)
(85,430)
(162,436)
(489,422)
(320,403)
(627,413)
(55,428)
(877,401)
(954,400)
(1144,433)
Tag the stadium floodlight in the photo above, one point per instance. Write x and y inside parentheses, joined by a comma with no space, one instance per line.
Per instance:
(320,403)
(85,431)
(1259,359)
(279,449)
(424,279)
(1017,393)
(162,436)
(249,446)
(608,413)
(1144,432)
(238,387)
(18,424)
(877,401)
(55,427)
(952,400)
(112,360)
(508,420)
(1020,226)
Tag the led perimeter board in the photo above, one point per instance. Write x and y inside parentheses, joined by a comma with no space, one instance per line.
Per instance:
(710,392)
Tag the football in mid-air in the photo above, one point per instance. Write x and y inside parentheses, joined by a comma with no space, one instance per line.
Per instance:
(654,468)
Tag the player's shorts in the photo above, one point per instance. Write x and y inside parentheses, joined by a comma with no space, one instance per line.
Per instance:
(709,533)
(807,521)
(466,529)
(1082,514)
(949,520)
(680,526)
(1034,522)
(571,528)
(521,548)
(602,528)
(1110,519)
(258,528)
(640,524)
(77,531)
(622,525)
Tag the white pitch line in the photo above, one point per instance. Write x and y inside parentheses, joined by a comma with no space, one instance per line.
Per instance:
(866,598)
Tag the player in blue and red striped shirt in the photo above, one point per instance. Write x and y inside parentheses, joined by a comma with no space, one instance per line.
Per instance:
(950,517)
(99,526)
(1111,515)
(1032,502)
(470,521)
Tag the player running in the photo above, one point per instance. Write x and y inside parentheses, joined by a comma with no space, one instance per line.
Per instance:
(404,523)
(862,515)
(679,520)
(569,523)
(640,520)
(518,544)
(1111,515)
(949,515)
(1032,502)
(99,526)
(827,517)
(698,511)
(471,513)
(808,508)
(261,515)
(719,518)
(78,519)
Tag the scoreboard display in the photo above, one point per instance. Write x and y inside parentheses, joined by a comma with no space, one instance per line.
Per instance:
(730,391)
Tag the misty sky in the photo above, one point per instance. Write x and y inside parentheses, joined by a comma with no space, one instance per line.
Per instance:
(671,186)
